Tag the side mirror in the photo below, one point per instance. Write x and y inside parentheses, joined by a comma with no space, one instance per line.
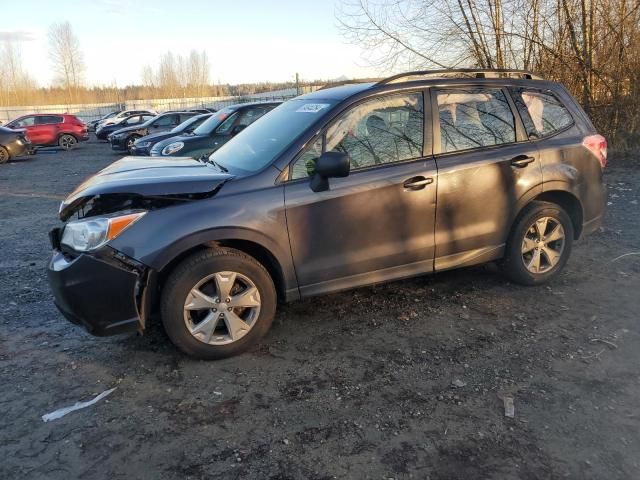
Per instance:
(329,165)
(237,129)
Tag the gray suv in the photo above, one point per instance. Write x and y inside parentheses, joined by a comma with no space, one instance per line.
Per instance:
(347,186)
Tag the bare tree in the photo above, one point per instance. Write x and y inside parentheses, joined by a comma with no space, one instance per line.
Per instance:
(66,57)
(16,84)
(592,46)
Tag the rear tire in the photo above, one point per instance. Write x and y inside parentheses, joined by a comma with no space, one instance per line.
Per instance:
(539,244)
(5,156)
(217,303)
(67,142)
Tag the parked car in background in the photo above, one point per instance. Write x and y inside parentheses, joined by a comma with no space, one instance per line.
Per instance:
(122,139)
(201,110)
(336,189)
(103,131)
(93,123)
(13,143)
(46,130)
(142,146)
(213,133)
(124,114)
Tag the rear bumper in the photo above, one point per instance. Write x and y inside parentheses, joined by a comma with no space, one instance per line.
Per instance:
(107,293)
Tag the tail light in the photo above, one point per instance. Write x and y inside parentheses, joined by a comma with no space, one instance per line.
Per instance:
(597,145)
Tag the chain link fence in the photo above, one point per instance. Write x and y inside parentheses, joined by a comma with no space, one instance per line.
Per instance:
(89,112)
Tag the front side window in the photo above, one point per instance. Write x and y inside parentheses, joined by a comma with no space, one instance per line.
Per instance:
(25,122)
(375,132)
(473,118)
(542,113)
(165,121)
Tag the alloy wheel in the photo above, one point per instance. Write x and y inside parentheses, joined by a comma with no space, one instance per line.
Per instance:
(4,155)
(222,308)
(543,245)
(67,142)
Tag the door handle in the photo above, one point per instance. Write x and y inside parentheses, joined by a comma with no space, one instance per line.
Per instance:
(417,183)
(521,161)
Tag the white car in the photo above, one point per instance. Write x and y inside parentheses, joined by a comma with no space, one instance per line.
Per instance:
(122,115)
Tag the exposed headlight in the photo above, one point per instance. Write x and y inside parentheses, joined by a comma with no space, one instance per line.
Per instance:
(91,233)
(172,148)
(142,144)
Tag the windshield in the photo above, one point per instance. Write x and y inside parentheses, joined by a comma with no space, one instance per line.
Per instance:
(110,115)
(190,124)
(260,143)
(212,122)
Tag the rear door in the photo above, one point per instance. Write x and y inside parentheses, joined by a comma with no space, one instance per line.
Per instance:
(47,128)
(377,223)
(485,166)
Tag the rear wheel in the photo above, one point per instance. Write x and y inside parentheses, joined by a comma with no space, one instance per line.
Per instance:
(217,303)
(5,156)
(67,142)
(539,245)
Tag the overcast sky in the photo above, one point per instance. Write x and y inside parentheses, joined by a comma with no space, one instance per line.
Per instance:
(246,40)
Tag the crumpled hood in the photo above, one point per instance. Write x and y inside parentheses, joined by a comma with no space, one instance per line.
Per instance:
(147,176)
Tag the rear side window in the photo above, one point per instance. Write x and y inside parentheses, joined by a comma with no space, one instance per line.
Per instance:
(48,119)
(541,111)
(473,118)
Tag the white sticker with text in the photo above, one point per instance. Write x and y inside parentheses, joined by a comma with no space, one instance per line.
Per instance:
(312,107)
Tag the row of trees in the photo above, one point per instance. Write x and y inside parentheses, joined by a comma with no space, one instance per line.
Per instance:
(174,76)
(591,46)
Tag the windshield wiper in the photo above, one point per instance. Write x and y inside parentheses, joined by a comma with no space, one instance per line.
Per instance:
(206,159)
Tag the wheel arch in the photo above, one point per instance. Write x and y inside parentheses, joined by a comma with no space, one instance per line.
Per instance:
(248,242)
(560,194)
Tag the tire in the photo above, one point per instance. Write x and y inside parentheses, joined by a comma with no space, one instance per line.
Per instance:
(534,257)
(67,142)
(5,156)
(190,320)
(130,141)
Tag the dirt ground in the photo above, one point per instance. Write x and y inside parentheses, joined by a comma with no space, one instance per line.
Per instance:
(403,380)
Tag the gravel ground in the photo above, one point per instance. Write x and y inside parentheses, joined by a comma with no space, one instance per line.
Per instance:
(404,380)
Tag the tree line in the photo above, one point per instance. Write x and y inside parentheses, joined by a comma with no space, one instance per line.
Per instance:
(591,46)
(175,76)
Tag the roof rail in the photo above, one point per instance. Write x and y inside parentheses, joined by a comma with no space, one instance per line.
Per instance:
(350,82)
(464,73)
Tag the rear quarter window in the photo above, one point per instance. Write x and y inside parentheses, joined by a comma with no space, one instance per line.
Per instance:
(542,112)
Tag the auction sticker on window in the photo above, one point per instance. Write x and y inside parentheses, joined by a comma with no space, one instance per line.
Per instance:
(312,107)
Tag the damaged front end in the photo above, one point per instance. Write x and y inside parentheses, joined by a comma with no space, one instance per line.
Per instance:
(95,285)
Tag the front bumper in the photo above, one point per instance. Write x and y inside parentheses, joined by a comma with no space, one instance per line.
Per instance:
(140,151)
(107,293)
(118,143)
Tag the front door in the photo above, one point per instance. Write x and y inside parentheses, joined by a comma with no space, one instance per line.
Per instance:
(485,166)
(377,223)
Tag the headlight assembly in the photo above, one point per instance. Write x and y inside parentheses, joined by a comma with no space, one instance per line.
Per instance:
(142,144)
(172,148)
(91,233)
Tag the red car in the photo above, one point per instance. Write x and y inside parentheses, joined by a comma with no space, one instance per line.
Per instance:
(47,129)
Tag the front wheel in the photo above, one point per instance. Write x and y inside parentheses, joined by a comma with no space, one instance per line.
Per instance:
(130,141)
(67,142)
(217,303)
(539,244)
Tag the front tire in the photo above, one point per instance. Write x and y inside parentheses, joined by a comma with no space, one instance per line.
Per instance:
(539,244)
(217,303)
(130,141)
(67,142)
